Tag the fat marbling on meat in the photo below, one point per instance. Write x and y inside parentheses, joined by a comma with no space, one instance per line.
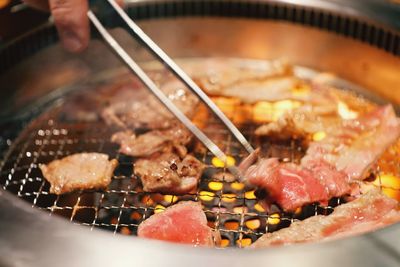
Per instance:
(144,145)
(266,82)
(369,212)
(330,165)
(147,112)
(292,186)
(356,144)
(184,222)
(168,173)
(79,172)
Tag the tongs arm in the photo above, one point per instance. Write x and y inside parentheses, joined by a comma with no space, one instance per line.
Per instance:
(135,68)
(179,73)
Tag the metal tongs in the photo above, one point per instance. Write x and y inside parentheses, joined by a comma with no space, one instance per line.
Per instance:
(179,73)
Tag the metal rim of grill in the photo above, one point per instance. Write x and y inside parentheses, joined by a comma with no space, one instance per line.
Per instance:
(22,226)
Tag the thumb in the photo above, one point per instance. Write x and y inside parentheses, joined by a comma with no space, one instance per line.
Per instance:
(70,18)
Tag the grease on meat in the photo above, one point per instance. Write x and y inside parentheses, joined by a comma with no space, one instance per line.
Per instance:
(330,165)
(79,172)
(184,222)
(147,112)
(370,211)
(172,139)
(168,173)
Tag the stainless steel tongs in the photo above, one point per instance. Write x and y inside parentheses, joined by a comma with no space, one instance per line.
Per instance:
(179,73)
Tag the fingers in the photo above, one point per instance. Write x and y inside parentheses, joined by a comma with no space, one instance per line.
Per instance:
(70,18)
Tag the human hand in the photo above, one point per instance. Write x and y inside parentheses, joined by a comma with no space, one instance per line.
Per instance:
(70,18)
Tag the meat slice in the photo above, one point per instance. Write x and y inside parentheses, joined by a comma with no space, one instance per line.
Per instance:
(79,172)
(289,185)
(333,163)
(335,182)
(369,212)
(167,173)
(285,128)
(356,144)
(147,112)
(318,114)
(184,222)
(154,141)
(270,82)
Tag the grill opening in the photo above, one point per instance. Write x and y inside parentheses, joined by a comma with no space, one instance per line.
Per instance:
(231,207)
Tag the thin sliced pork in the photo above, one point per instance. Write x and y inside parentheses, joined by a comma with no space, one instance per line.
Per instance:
(174,138)
(184,222)
(356,144)
(79,172)
(228,78)
(292,186)
(167,173)
(369,212)
(147,112)
(333,163)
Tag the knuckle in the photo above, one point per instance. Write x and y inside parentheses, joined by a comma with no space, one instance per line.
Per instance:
(61,11)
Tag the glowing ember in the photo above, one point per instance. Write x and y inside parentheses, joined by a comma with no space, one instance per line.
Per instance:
(233,108)
(147,200)
(388,180)
(237,186)
(259,207)
(227,105)
(345,112)
(170,198)
(224,243)
(298,210)
(390,192)
(262,112)
(125,231)
(231,225)
(240,210)
(230,161)
(274,218)
(318,136)
(250,195)
(159,208)
(253,224)
(136,215)
(206,196)
(216,186)
(265,111)
(301,90)
(244,242)
(228,197)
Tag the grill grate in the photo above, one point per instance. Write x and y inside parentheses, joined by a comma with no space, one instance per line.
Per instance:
(231,207)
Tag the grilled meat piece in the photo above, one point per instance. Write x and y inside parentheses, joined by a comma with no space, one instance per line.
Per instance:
(271,89)
(147,112)
(318,114)
(167,173)
(369,212)
(284,128)
(79,172)
(174,138)
(270,82)
(356,144)
(332,163)
(292,186)
(184,222)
